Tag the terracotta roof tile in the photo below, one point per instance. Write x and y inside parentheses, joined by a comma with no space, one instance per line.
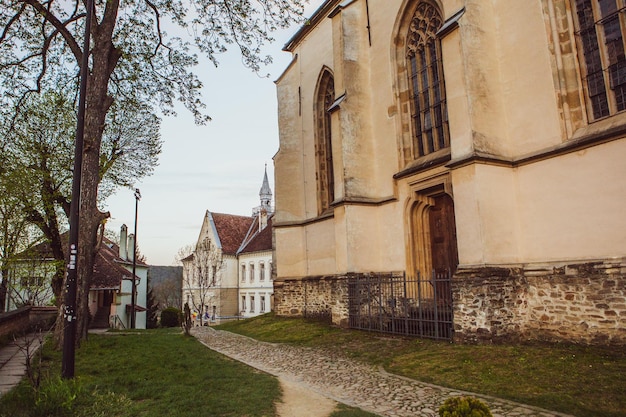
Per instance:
(232,230)
(261,240)
(107,270)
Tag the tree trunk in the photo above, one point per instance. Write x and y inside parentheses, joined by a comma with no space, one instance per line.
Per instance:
(104,57)
(4,272)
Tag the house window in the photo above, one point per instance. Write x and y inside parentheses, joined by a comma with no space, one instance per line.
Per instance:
(323,143)
(252,304)
(261,271)
(262,306)
(243,303)
(243,273)
(29,281)
(213,274)
(429,115)
(601,25)
(251,272)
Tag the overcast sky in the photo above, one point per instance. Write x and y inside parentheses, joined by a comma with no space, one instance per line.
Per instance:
(217,167)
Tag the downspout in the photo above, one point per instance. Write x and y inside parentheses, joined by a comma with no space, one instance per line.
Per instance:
(367,13)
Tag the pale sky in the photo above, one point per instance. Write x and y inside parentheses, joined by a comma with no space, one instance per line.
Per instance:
(217,167)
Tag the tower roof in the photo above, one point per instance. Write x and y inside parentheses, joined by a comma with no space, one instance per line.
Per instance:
(266,191)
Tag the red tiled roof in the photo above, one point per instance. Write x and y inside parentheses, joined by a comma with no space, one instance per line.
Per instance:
(107,270)
(261,240)
(231,230)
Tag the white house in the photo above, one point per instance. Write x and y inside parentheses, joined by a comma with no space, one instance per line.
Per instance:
(110,294)
(229,273)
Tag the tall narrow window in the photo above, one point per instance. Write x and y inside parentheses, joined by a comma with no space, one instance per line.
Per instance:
(261,271)
(323,142)
(251,272)
(243,273)
(601,25)
(429,115)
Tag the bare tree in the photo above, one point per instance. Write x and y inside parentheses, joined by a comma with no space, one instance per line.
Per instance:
(167,294)
(202,276)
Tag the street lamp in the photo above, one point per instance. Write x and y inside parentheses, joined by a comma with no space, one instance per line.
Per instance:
(134,278)
(69,313)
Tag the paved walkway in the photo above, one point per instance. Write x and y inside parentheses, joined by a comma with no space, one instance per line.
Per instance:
(349,382)
(13,360)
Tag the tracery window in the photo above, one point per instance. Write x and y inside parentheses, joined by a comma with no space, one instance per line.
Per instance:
(323,142)
(601,25)
(429,115)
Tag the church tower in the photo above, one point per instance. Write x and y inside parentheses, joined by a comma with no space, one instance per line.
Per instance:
(265,195)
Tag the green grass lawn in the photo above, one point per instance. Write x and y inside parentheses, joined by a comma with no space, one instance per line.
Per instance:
(148,373)
(580,380)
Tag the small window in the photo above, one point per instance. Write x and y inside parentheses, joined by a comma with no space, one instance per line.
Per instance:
(261,271)
(262,306)
(600,37)
(252,304)
(243,303)
(243,273)
(251,272)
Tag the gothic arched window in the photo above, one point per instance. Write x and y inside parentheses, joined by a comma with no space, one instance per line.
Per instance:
(429,116)
(601,28)
(323,143)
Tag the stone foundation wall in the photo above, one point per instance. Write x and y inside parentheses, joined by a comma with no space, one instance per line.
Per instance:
(580,303)
(322,297)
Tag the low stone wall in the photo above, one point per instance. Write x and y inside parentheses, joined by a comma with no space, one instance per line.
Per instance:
(320,297)
(26,319)
(580,303)
(13,322)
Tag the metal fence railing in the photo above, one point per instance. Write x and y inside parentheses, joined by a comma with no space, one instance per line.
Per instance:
(398,304)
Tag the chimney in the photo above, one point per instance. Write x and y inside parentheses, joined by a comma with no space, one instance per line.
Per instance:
(262,219)
(123,241)
(131,246)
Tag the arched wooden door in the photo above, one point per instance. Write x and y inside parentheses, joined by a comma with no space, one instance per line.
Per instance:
(443,246)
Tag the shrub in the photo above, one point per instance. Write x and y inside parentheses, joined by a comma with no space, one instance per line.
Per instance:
(170,317)
(57,397)
(464,407)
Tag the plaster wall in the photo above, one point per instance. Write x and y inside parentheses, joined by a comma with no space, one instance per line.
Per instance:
(572,208)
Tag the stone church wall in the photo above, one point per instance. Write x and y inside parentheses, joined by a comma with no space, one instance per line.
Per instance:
(579,303)
(322,297)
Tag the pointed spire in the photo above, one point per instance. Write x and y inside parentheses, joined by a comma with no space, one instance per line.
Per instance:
(266,193)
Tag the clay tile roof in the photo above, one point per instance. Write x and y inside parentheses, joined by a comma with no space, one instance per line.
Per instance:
(107,270)
(231,230)
(261,241)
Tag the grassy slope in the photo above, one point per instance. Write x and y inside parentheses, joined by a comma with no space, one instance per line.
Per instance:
(579,380)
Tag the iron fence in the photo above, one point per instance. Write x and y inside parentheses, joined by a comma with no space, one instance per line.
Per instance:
(395,303)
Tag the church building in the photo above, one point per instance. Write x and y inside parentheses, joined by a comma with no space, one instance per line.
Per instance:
(455,169)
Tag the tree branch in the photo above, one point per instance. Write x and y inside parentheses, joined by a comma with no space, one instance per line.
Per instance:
(59,26)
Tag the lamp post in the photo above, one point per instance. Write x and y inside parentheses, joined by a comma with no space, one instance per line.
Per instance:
(134,278)
(69,313)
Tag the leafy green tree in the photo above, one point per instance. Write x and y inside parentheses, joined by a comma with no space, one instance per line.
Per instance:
(38,161)
(132,56)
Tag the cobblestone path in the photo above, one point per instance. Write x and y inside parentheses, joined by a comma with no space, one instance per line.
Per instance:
(350,382)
